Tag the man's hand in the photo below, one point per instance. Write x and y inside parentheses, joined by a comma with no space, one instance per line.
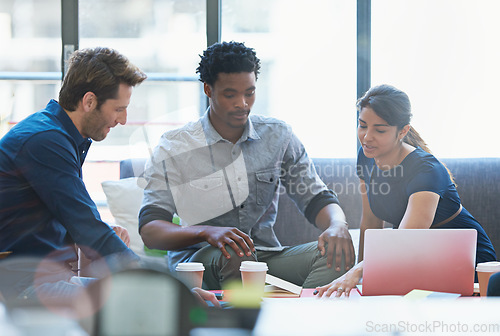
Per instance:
(339,241)
(219,237)
(122,233)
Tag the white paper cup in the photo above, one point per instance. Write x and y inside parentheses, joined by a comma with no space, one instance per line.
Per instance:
(253,275)
(191,273)
(484,271)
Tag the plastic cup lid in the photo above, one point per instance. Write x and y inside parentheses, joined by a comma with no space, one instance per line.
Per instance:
(190,266)
(490,266)
(253,266)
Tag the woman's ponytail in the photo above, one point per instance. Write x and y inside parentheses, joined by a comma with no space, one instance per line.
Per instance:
(414,139)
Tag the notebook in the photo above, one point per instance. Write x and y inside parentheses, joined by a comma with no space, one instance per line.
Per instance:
(281,288)
(399,261)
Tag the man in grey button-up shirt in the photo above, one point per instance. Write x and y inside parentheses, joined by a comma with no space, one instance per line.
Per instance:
(223,175)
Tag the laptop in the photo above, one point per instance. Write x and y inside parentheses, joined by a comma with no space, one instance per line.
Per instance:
(399,261)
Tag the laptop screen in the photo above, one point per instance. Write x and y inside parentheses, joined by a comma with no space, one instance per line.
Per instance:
(398,261)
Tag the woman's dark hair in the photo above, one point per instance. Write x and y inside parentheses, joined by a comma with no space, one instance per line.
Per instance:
(227,57)
(98,70)
(394,107)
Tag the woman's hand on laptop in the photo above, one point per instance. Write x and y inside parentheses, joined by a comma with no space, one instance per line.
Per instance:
(343,284)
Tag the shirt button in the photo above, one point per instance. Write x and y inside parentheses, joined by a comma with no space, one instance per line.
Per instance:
(242,206)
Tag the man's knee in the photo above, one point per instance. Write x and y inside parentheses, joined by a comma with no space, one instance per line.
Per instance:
(321,274)
(218,268)
(213,255)
(230,267)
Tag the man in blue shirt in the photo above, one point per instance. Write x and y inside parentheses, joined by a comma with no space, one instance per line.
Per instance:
(222,176)
(44,206)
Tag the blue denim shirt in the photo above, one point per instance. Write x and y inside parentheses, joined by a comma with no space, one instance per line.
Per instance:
(207,180)
(44,205)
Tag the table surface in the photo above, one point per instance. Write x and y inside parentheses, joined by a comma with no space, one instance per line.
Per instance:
(382,315)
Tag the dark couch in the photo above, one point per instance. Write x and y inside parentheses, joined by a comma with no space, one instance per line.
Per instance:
(476,179)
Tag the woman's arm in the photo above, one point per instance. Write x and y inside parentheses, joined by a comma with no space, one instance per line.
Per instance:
(420,211)
(368,220)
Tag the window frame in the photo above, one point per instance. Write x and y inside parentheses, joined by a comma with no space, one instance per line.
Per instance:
(70,43)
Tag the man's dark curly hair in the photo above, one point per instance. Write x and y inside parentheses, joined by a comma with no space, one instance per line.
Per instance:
(227,57)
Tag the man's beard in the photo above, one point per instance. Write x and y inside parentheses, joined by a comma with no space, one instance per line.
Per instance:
(94,126)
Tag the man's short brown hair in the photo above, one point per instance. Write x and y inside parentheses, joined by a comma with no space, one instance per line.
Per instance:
(99,70)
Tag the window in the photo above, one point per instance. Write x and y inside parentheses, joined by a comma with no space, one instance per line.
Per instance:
(30,60)
(308,69)
(443,54)
(308,75)
(163,38)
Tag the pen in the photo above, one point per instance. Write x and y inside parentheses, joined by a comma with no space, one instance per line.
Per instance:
(315,292)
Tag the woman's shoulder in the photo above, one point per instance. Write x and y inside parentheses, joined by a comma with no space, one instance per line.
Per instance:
(419,160)
(420,155)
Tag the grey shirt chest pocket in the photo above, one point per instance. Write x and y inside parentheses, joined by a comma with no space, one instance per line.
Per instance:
(207,184)
(209,192)
(266,184)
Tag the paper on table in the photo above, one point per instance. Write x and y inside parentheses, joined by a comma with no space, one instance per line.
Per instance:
(281,288)
(420,294)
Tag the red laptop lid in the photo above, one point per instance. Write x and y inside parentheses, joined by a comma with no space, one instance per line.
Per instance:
(398,261)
